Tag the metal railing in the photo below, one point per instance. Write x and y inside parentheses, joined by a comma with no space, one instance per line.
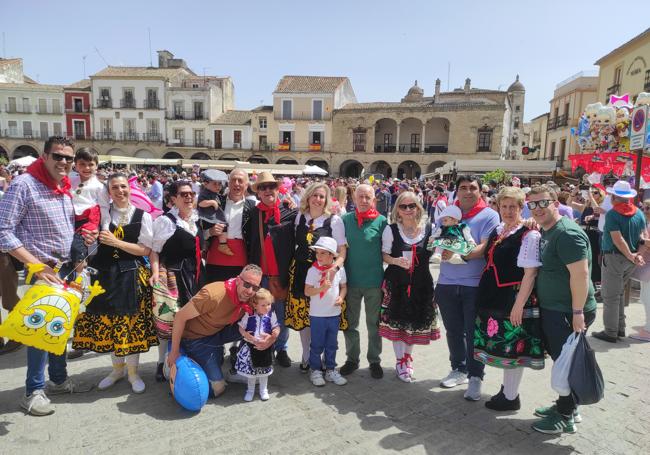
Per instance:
(409,148)
(385,148)
(152,103)
(562,120)
(104,103)
(326,116)
(613,90)
(72,110)
(185,115)
(297,147)
(360,148)
(196,143)
(16,109)
(551,123)
(49,111)
(436,148)
(127,103)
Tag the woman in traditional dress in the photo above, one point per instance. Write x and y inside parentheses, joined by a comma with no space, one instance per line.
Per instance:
(177,272)
(120,320)
(508,332)
(313,222)
(408,314)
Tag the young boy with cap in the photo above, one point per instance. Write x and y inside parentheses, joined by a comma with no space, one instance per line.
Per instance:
(210,212)
(326,294)
(451,235)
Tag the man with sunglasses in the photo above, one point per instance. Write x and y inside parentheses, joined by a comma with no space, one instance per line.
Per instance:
(269,237)
(37,226)
(565,294)
(209,320)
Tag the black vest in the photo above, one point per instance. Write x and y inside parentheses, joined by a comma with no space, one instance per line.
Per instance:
(181,245)
(303,252)
(502,258)
(107,255)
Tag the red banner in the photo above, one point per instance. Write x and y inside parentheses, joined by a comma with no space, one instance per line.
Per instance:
(609,161)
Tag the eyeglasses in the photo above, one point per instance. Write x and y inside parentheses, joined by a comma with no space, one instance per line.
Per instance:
(185,194)
(407,206)
(544,203)
(248,285)
(58,157)
(267,186)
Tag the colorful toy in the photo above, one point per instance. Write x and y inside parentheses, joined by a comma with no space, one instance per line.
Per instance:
(140,199)
(45,315)
(189,384)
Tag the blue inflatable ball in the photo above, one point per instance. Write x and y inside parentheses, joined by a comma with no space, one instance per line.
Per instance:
(189,384)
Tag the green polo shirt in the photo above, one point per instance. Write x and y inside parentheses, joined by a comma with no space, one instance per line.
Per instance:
(364,264)
(630,228)
(565,243)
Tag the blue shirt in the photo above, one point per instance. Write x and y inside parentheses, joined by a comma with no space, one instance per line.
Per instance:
(481,226)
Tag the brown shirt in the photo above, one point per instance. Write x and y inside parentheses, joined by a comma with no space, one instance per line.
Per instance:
(215,309)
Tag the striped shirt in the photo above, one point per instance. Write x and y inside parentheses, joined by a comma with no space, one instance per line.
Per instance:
(32,216)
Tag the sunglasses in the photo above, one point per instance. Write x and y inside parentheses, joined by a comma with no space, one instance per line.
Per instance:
(248,285)
(407,206)
(267,186)
(544,203)
(58,157)
(185,194)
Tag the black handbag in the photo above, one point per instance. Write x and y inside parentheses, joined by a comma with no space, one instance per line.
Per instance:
(585,378)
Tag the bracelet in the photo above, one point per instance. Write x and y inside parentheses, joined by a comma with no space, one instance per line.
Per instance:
(577,312)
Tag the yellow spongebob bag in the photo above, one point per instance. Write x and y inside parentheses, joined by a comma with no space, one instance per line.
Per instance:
(45,315)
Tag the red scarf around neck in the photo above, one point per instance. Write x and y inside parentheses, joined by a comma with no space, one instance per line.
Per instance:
(39,172)
(231,291)
(270,211)
(369,214)
(324,270)
(625,208)
(480,205)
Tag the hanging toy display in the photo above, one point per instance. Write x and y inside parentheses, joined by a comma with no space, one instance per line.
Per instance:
(46,314)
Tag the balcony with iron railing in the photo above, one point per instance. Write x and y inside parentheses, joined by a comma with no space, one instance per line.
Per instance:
(105,103)
(127,103)
(18,109)
(436,148)
(46,111)
(152,103)
(326,116)
(385,148)
(613,90)
(550,125)
(561,120)
(186,115)
(409,148)
(298,147)
(195,143)
(75,110)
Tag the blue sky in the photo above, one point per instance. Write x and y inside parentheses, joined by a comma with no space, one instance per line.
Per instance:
(382,46)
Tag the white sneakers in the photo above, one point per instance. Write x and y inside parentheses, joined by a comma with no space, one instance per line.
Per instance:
(67,386)
(264,394)
(403,371)
(473,392)
(109,381)
(454,259)
(316,378)
(37,404)
(335,377)
(453,379)
(248,396)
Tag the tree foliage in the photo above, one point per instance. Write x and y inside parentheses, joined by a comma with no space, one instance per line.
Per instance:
(498,175)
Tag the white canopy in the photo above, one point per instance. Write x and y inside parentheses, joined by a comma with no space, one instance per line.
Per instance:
(24,161)
(515,167)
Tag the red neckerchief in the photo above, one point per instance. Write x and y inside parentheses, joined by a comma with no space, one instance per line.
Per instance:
(231,292)
(38,171)
(323,269)
(625,208)
(480,205)
(442,197)
(369,214)
(270,211)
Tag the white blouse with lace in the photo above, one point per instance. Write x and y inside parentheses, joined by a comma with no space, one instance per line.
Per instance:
(164,228)
(387,237)
(528,256)
(118,216)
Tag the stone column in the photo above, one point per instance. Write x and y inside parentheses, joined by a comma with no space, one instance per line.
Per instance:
(397,139)
(424,132)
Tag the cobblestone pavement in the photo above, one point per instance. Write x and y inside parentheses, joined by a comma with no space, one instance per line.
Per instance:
(365,416)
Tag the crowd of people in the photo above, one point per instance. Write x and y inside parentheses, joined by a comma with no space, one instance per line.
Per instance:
(237,262)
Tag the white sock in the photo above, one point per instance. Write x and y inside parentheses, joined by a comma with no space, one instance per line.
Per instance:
(398,347)
(511,380)
(408,348)
(305,339)
(162,350)
(264,380)
(133,360)
(251,385)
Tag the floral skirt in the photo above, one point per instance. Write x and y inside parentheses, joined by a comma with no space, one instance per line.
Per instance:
(497,342)
(121,334)
(417,324)
(296,310)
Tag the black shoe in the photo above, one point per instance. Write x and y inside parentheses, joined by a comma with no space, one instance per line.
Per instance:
(376,371)
(304,367)
(9,346)
(160,377)
(282,358)
(499,402)
(348,367)
(603,336)
(621,334)
(75,354)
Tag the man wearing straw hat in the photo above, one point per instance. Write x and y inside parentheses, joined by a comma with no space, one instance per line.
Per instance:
(269,237)
(624,224)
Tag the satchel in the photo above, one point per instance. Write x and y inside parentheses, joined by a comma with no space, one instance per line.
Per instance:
(585,378)
(278,291)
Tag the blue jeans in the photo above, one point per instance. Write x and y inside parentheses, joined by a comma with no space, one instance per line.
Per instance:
(324,332)
(282,342)
(37,359)
(458,310)
(208,351)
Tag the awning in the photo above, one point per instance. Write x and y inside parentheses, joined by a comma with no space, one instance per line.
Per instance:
(137,161)
(516,167)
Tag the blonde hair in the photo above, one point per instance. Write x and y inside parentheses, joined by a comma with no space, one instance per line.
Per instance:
(309,192)
(419,210)
(263,294)
(341,194)
(512,192)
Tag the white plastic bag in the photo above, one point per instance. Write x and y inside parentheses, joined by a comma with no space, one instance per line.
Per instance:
(562,366)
